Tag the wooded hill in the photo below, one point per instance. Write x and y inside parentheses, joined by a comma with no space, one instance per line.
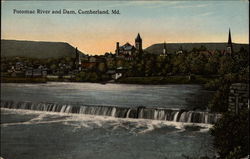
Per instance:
(173,47)
(36,49)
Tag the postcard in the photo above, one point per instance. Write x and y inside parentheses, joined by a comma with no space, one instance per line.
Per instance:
(124,79)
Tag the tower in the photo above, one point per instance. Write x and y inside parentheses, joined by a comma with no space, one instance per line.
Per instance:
(78,60)
(164,51)
(117,49)
(229,44)
(180,51)
(138,43)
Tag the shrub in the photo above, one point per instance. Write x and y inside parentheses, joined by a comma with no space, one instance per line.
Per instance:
(231,138)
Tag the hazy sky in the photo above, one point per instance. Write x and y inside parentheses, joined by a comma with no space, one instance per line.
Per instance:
(157,21)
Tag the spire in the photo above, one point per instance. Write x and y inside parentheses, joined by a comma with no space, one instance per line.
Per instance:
(138,43)
(164,45)
(138,38)
(164,48)
(229,38)
(229,43)
(77,60)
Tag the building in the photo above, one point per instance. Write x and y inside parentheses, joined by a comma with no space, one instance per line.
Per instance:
(127,50)
(180,50)
(92,59)
(30,72)
(138,43)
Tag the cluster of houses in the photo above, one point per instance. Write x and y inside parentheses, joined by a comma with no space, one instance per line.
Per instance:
(64,70)
(21,70)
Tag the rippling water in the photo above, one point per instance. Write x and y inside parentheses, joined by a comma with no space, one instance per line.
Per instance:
(28,134)
(172,96)
(40,135)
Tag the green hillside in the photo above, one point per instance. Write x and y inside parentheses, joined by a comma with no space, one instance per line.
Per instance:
(36,49)
(173,47)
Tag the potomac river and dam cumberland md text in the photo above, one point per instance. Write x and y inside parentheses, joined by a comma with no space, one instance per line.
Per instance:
(66,11)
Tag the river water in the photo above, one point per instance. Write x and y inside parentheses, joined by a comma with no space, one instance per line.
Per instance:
(170,96)
(51,135)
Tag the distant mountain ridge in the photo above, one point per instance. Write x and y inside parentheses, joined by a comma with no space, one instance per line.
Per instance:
(36,49)
(173,47)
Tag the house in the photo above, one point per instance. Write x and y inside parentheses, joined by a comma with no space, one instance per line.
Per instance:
(89,65)
(37,73)
(120,71)
(92,59)
(111,73)
(117,73)
(30,72)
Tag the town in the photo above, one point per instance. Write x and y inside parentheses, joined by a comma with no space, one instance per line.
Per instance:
(128,64)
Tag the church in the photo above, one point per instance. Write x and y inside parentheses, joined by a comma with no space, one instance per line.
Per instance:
(127,50)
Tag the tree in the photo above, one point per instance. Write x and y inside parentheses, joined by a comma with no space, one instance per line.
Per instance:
(197,63)
(93,77)
(102,67)
(179,64)
(240,60)
(119,63)
(219,103)
(202,48)
(226,65)
(231,133)
(211,67)
(148,68)
(53,66)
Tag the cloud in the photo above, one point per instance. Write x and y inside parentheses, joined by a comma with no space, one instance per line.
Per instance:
(158,4)
(192,6)
(145,4)
(205,14)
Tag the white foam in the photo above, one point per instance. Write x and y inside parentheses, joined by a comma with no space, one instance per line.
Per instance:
(87,121)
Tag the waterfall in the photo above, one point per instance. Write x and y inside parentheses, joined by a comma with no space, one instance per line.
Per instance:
(175,116)
(127,116)
(168,114)
(113,112)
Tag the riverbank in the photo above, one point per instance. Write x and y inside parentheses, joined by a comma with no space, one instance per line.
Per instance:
(153,80)
(195,79)
(23,80)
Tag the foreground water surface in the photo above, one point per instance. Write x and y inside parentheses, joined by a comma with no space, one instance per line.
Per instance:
(33,134)
(40,135)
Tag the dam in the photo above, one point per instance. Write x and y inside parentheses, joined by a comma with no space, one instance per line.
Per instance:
(154,113)
(65,120)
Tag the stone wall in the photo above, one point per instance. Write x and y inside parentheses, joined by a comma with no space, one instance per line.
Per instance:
(238,97)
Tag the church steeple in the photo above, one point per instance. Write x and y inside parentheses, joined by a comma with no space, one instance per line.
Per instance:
(164,48)
(138,43)
(229,38)
(138,38)
(229,43)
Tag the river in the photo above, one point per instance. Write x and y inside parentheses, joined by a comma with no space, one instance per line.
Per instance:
(52,135)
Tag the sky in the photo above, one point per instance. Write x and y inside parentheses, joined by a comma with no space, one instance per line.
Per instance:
(156,21)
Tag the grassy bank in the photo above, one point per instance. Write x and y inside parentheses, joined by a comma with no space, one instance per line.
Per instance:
(196,79)
(23,80)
